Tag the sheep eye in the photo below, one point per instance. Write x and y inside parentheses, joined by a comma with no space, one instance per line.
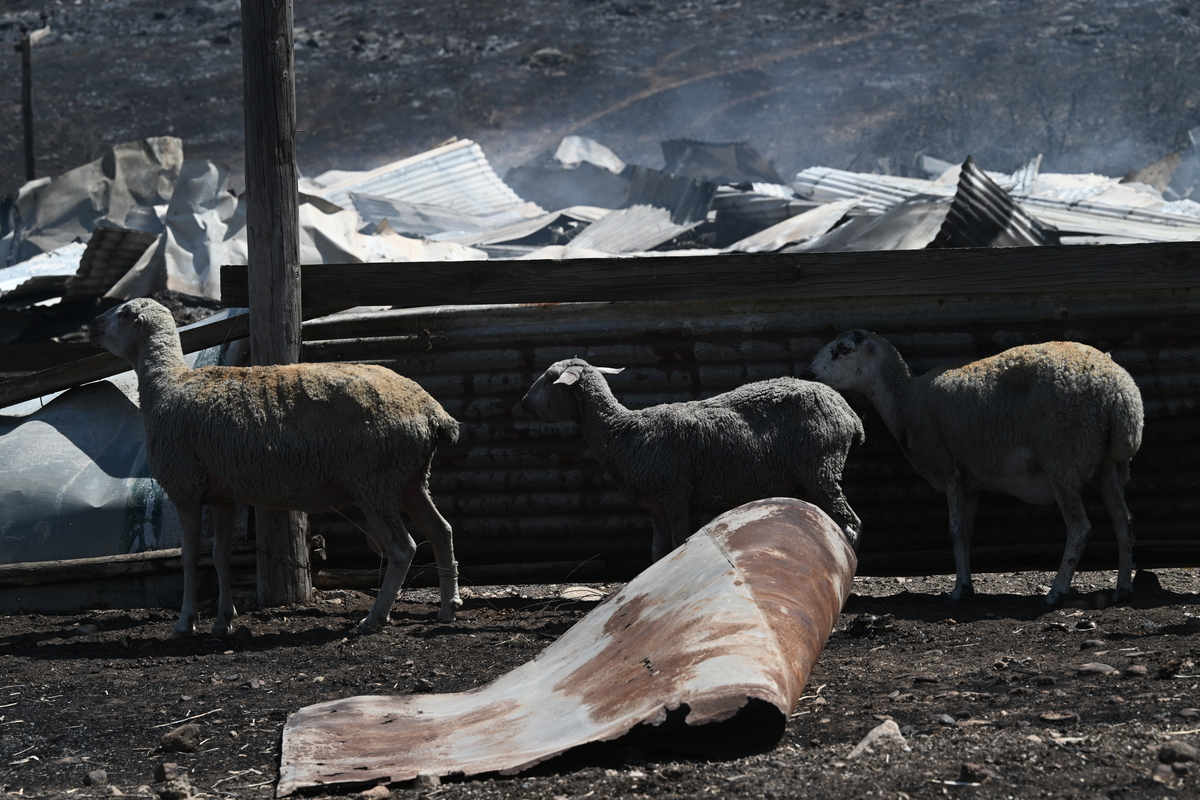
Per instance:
(843,349)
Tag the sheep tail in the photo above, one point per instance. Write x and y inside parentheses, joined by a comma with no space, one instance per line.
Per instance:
(445,427)
(1125,430)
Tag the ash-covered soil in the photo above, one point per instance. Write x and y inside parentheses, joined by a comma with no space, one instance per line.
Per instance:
(988,693)
(1094,86)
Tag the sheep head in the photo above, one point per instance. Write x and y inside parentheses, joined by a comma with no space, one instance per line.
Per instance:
(553,397)
(851,360)
(123,330)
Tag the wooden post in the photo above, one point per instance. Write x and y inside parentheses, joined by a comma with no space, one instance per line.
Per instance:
(273,227)
(25,48)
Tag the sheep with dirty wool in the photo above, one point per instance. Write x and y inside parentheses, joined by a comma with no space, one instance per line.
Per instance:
(302,437)
(760,440)
(1037,422)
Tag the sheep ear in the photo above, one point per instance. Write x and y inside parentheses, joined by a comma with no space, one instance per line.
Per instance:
(609,370)
(141,320)
(871,347)
(569,376)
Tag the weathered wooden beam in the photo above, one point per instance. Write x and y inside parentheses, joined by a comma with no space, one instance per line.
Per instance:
(105,365)
(1111,267)
(273,244)
(38,573)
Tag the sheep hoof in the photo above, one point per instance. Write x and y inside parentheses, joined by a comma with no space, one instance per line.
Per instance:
(1055,598)
(1123,595)
(446,615)
(366,626)
(183,632)
(962,593)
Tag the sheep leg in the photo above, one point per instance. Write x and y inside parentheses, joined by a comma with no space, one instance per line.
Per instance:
(829,497)
(1079,530)
(189,524)
(388,531)
(1112,488)
(962,525)
(223,517)
(430,522)
(661,544)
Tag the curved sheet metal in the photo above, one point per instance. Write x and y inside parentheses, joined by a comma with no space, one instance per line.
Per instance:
(707,651)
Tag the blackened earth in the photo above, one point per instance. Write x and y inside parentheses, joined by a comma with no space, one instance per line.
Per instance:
(990,692)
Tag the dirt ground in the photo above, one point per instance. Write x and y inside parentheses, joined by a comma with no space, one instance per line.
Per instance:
(989,696)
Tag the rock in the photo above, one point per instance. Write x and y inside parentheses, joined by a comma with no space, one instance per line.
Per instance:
(882,734)
(583,594)
(1096,668)
(96,777)
(1174,752)
(945,719)
(1146,583)
(428,779)
(1136,671)
(422,685)
(1163,773)
(1189,713)
(87,629)
(1059,717)
(175,789)
(1091,644)
(977,773)
(184,739)
(1046,680)
(375,793)
(166,771)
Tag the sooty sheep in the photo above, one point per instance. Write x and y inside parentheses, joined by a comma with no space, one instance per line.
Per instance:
(1036,422)
(759,440)
(303,437)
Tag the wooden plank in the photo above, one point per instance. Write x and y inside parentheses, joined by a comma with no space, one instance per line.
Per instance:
(273,243)
(1174,265)
(38,573)
(95,368)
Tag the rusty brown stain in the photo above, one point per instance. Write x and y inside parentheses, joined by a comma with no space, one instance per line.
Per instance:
(759,571)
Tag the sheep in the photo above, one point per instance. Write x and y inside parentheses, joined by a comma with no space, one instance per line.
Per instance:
(762,439)
(303,437)
(1037,422)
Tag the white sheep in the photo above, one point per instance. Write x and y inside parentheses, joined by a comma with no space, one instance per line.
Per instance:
(1037,422)
(304,437)
(760,440)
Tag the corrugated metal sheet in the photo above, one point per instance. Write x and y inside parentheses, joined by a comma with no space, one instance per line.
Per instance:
(984,215)
(632,230)
(456,175)
(517,490)
(878,193)
(109,255)
(706,653)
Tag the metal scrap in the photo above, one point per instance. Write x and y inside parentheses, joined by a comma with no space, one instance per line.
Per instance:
(706,652)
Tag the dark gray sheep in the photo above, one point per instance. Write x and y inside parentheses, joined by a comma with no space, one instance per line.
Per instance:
(304,437)
(760,440)
(1036,422)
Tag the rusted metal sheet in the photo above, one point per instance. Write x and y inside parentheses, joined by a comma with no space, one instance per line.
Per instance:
(519,491)
(707,652)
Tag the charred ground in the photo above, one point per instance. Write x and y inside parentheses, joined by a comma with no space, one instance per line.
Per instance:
(994,685)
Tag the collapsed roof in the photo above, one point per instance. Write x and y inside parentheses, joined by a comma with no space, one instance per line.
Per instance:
(142,219)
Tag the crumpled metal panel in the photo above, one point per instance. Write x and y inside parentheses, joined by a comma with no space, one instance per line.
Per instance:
(707,651)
